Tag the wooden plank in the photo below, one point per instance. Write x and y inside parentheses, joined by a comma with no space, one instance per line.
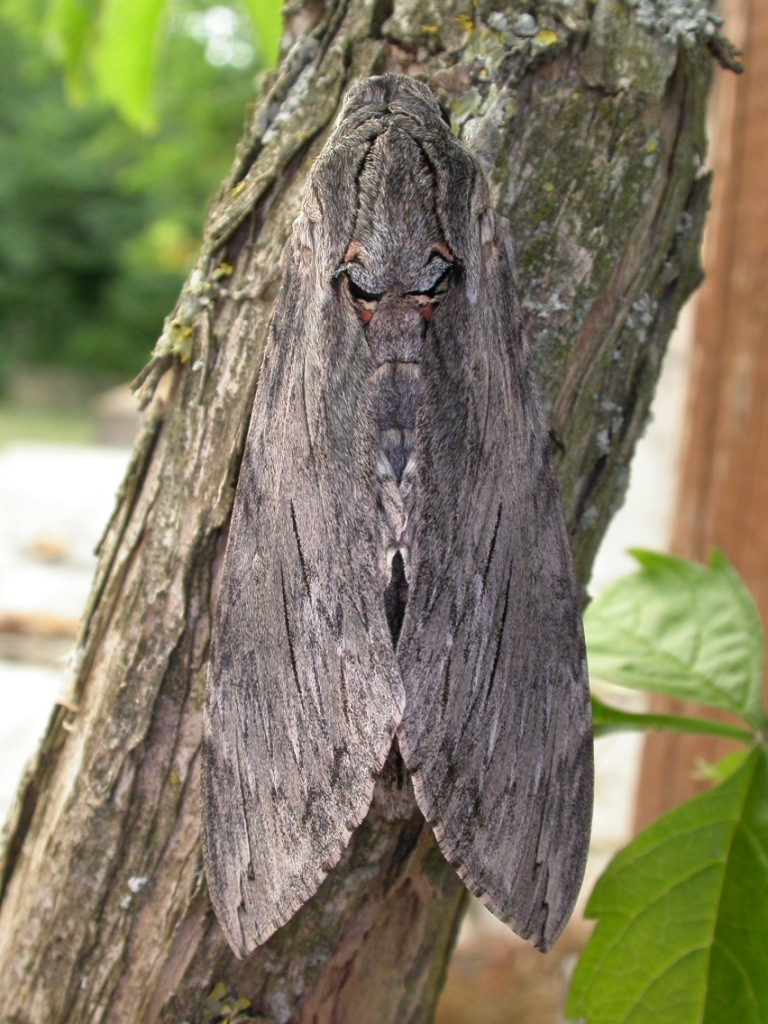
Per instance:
(723,487)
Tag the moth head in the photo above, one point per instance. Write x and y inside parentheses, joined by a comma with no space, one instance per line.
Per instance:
(421,284)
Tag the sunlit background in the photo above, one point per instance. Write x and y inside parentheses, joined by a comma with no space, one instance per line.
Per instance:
(101,219)
(106,168)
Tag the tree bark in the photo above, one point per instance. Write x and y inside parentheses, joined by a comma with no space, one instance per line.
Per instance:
(592,125)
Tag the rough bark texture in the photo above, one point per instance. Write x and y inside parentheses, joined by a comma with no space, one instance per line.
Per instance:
(593,126)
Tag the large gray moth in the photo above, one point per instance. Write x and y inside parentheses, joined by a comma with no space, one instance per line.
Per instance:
(397,581)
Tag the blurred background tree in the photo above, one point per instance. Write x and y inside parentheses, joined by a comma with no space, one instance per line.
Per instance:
(105,177)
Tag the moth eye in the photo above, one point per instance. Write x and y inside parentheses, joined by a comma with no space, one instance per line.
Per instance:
(364,300)
(361,294)
(437,290)
(441,284)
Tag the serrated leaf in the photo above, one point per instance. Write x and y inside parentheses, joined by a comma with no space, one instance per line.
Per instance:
(682,913)
(682,629)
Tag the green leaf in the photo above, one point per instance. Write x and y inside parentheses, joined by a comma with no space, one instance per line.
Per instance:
(715,772)
(124,59)
(68,29)
(267,19)
(100,223)
(607,720)
(682,913)
(682,629)
(68,24)
(110,47)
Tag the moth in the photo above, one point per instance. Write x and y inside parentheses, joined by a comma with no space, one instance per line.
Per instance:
(398,581)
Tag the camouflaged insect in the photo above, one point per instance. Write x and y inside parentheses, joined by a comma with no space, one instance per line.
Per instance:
(398,585)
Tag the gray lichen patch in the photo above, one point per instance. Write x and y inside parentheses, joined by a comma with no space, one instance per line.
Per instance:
(634,43)
(518,18)
(677,20)
(444,25)
(576,181)
(623,54)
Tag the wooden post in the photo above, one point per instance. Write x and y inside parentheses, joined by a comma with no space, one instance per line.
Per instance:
(723,486)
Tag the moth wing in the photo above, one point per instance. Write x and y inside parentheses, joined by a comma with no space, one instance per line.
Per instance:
(304,691)
(497,728)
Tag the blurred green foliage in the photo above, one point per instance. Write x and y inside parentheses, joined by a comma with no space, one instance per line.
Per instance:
(100,221)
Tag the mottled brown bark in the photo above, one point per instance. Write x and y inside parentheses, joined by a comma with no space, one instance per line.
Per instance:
(593,128)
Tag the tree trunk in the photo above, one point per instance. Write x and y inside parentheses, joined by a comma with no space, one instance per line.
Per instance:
(593,125)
